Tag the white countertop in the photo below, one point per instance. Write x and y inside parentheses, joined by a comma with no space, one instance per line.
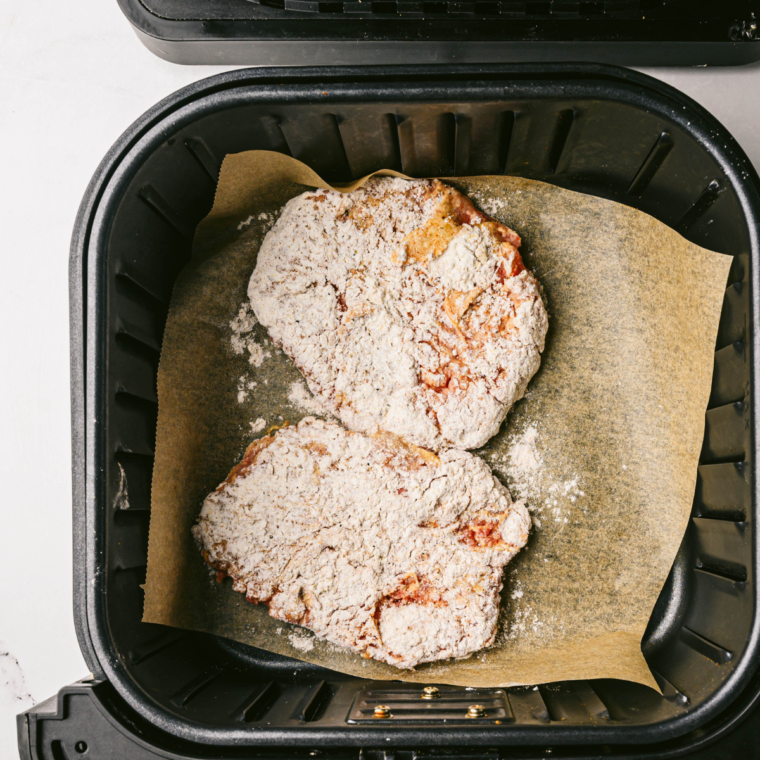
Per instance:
(73,76)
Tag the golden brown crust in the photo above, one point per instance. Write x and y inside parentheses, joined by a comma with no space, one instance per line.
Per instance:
(249,458)
(431,240)
(407,279)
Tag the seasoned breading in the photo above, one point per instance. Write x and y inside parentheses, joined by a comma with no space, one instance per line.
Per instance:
(406,309)
(373,543)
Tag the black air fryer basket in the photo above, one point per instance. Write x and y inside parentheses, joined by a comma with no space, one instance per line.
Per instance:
(612,133)
(326,32)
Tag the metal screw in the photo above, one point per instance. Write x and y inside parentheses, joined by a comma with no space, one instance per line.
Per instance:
(430,692)
(382,711)
(476,711)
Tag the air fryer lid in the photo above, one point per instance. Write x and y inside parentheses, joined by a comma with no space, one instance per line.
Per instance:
(361,32)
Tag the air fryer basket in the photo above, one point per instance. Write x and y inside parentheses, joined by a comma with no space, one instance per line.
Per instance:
(325,32)
(597,129)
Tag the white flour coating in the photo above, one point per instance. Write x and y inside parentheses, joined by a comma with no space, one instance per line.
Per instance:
(300,397)
(373,543)
(242,338)
(258,425)
(405,308)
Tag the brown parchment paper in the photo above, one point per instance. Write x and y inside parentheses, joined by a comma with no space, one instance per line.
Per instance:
(618,407)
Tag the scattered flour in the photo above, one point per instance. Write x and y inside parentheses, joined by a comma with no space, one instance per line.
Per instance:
(524,621)
(554,499)
(243,340)
(257,354)
(562,496)
(493,206)
(268,220)
(241,326)
(549,498)
(526,463)
(245,385)
(258,425)
(303,642)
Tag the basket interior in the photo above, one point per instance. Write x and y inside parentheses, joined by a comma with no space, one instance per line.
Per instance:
(616,150)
